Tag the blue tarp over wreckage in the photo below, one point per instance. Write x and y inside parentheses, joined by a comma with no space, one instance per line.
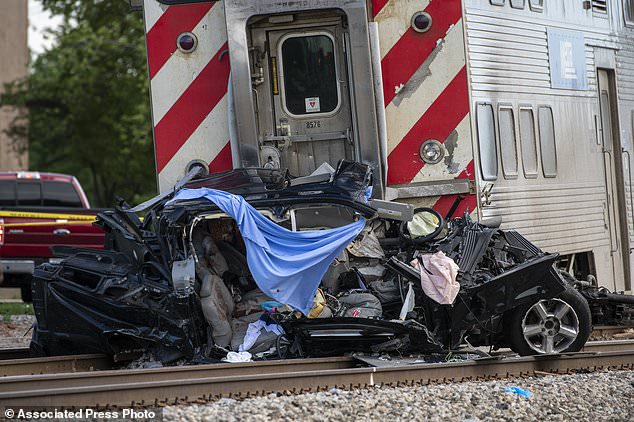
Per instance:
(287,266)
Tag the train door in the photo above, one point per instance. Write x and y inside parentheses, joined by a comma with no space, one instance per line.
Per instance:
(302,90)
(613,165)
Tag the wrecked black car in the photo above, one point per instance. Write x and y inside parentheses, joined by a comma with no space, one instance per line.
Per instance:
(254,261)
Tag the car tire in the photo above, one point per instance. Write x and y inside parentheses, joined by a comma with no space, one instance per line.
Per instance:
(558,325)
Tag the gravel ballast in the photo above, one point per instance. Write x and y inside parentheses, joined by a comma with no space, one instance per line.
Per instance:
(15,331)
(603,396)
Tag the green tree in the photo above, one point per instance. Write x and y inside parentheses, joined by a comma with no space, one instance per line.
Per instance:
(85,104)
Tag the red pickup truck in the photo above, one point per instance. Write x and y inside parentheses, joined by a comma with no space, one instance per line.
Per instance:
(37,211)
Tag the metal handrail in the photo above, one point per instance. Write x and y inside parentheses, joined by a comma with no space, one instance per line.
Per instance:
(629,170)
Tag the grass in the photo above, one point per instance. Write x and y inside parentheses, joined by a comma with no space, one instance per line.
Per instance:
(8,309)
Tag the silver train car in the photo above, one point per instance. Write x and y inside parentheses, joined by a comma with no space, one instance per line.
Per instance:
(552,89)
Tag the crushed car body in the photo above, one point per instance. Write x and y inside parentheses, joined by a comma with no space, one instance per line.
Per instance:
(255,261)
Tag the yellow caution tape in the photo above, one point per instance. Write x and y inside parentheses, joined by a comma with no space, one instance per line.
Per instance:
(52,216)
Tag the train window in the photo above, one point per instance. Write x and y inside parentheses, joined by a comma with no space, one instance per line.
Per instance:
(486,141)
(628,11)
(518,4)
(508,142)
(498,2)
(547,141)
(527,142)
(600,6)
(309,74)
(536,5)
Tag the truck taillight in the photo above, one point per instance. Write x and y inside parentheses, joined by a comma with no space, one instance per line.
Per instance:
(1,231)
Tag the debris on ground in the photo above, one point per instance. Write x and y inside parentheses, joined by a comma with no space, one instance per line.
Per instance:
(145,361)
(625,334)
(519,391)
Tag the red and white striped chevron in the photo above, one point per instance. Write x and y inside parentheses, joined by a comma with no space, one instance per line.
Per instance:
(426,93)
(188,91)
(424,77)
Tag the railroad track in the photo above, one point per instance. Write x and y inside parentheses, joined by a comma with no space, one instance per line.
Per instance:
(191,384)
(17,361)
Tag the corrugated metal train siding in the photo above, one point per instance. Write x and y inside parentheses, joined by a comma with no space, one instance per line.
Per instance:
(508,63)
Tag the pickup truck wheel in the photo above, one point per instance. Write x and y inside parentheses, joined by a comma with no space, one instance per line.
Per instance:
(26,293)
(561,324)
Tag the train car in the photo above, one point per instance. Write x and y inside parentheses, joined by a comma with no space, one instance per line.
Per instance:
(519,111)
(551,89)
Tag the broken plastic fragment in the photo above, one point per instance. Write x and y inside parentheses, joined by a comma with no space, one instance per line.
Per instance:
(408,303)
(271,305)
(236,357)
(519,391)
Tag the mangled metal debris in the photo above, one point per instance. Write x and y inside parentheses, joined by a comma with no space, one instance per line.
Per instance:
(315,271)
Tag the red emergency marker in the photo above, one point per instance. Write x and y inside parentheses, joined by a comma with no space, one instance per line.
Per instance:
(187,42)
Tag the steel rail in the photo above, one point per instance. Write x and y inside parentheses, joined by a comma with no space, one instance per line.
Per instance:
(55,364)
(137,389)
(608,346)
(115,377)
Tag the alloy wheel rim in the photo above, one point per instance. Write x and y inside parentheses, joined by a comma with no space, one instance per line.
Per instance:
(550,326)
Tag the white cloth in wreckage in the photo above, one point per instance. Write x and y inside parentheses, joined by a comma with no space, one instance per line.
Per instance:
(438,274)
(287,266)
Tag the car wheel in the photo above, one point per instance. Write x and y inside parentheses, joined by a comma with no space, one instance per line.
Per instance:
(557,325)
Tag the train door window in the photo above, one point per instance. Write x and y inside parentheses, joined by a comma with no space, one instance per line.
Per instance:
(518,4)
(536,5)
(498,2)
(527,142)
(628,12)
(508,141)
(309,74)
(486,141)
(547,141)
